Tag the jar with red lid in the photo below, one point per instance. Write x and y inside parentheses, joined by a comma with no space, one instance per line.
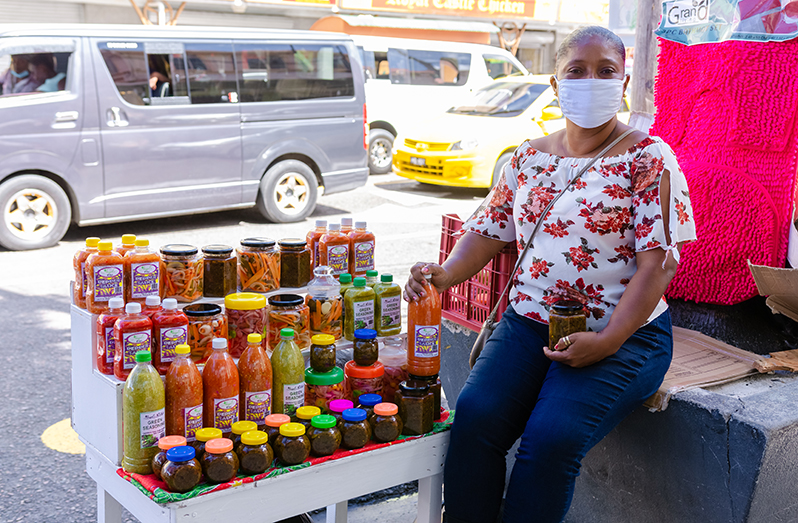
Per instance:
(363,379)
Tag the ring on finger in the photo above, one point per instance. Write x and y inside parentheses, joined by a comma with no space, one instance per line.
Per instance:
(567,341)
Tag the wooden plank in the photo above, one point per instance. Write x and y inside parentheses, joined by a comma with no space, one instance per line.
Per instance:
(645,61)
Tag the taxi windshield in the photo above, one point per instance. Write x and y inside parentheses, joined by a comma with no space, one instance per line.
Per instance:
(502,99)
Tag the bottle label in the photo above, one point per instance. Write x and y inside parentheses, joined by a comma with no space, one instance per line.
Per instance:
(144,279)
(293,397)
(153,427)
(363,314)
(364,256)
(192,421)
(109,345)
(338,258)
(171,337)
(225,413)
(108,282)
(257,405)
(427,341)
(391,309)
(316,259)
(85,280)
(132,342)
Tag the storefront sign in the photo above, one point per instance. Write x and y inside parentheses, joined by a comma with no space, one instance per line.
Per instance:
(503,9)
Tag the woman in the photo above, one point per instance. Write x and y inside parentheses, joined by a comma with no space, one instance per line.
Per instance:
(611,243)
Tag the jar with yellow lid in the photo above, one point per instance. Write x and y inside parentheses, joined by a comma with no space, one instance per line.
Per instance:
(239,428)
(322,352)
(246,314)
(203,436)
(293,446)
(255,455)
(304,414)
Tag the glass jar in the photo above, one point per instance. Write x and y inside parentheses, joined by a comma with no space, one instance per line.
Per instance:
(365,349)
(386,425)
(219,462)
(325,438)
(288,311)
(363,380)
(203,436)
(273,423)
(337,407)
(258,265)
(294,263)
(367,402)
(415,403)
(220,267)
(183,272)
(255,455)
(182,471)
(205,322)
(239,428)
(393,357)
(164,444)
(323,387)
(246,314)
(322,353)
(304,414)
(325,303)
(435,387)
(355,430)
(292,446)
(565,317)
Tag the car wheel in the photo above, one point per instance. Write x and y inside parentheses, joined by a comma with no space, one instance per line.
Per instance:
(36,213)
(500,165)
(288,192)
(380,156)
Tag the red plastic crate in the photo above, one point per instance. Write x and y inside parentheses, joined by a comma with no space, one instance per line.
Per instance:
(469,303)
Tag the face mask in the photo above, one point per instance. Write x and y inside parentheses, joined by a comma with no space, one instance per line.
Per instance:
(591,102)
(51,84)
(21,75)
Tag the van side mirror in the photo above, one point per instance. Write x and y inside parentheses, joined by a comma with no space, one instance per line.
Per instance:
(551,113)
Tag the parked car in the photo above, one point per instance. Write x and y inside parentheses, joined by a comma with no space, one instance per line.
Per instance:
(469,145)
(160,121)
(407,81)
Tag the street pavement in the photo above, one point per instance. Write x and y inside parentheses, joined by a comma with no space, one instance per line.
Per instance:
(39,484)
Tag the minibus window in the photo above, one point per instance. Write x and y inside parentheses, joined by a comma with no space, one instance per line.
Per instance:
(34,72)
(211,75)
(128,69)
(428,67)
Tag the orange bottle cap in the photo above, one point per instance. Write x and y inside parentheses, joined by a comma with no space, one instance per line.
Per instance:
(275,420)
(354,370)
(219,446)
(385,409)
(167,442)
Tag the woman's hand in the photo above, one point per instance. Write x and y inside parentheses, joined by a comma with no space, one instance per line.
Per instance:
(586,348)
(414,288)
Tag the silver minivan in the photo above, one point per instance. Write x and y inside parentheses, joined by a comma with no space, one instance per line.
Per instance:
(104,124)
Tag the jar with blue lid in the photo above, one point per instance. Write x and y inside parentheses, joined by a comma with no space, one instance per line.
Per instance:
(367,402)
(365,347)
(355,430)
(182,471)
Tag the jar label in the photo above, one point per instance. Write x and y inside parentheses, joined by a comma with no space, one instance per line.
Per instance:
(85,280)
(132,342)
(145,278)
(426,341)
(171,337)
(108,282)
(153,427)
(225,413)
(391,309)
(338,258)
(109,345)
(293,397)
(192,421)
(363,314)
(364,256)
(257,405)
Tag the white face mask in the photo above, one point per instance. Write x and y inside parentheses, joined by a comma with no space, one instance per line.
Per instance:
(591,102)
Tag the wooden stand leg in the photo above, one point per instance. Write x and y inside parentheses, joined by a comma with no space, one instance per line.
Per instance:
(337,513)
(108,509)
(430,499)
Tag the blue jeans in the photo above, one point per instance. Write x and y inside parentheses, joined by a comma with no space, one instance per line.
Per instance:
(559,412)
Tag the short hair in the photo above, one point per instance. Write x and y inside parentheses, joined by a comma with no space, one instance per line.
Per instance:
(45,59)
(583,33)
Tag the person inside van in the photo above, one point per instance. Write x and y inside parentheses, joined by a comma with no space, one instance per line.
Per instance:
(159,76)
(16,75)
(42,71)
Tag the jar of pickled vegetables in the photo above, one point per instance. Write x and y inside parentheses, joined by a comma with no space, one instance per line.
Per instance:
(565,317)
(304,414)
(363,380)
(288,311)
(246,314)
(325,303)
(325,437)
(386,425)
(183,272)
(322,353)
(205,322)
(365,349)
(337,407)
(393,357)
(292,446)
(415,403)
(323,387)
(273,423)
(258,265)
(355,430)
(220,267)
(294,263)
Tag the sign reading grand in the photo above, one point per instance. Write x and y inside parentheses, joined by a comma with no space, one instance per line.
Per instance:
(502,9)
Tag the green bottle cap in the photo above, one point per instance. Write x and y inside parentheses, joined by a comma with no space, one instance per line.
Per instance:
(323,421)
(345,278)
(386,278)
(286,333)
(371,273)
(142,356)
(360,281)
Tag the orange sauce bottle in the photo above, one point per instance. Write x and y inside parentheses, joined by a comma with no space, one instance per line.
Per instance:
(142,273)
(132,333)
(361,245)
(334,250)
(424,332)
(105,271)
(79,264)
(346,226)
(128,244)
(312,239)
(254,382)
(220,389)
(183,395)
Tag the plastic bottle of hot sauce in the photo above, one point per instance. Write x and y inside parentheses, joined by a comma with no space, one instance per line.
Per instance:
(313,242)
(361,245)
(104,349)
(79,264)
(142,273)
(169,329)
(220,389)
(424,332)
(105,270)
(346,226)
(132,333)
(151,306)
(254,382)
(334,250)
(128,244)
(183,395)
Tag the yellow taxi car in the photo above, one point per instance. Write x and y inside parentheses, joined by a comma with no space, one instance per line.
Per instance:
(469,145)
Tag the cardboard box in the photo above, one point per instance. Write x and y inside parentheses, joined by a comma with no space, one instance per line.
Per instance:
(780,286)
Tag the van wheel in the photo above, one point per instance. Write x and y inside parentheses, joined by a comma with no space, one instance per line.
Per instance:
(500,165)
(380,156)
(36,213)
(288,192)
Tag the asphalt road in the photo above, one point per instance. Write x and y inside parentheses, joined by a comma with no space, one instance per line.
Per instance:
(38,484)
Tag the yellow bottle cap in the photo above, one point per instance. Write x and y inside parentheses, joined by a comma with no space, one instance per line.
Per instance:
(142,242)
(128,239)
(322,339)
(307,412)
(182,349)
(92,242)
(254,437)
(207,434)
(240,427)
(245,301)
(254,338)
(291,429)
(105,245)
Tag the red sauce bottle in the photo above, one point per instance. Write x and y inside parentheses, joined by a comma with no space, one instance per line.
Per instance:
(151,306)
(142,273)
(220,389)
(169,329)
(79,264)
(132,333)
(361,247)
(424,332)
(105,271)
(312,239)
(183,395)
(334,250)
(104,329)
(254,382)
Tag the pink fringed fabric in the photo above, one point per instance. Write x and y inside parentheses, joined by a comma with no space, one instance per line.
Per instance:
(730,112)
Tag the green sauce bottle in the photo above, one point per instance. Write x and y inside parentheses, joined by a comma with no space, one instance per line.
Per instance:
(359,308)
(288,375)
(388,302)
(143,402)
(345,280)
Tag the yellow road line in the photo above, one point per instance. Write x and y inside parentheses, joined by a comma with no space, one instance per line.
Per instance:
(60,437)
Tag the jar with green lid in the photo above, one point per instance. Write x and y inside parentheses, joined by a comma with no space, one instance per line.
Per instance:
(359,307)
(345,280)
(164,444)
(388,306)
(239,428)
(304,414)
(203,436)
(273,423)
(323,387)
(337,407)
(255,455)
(415,404)
(322,353)
(294,263)
(365,348)
(565,317)
(325,437)
(435,387)
(386,425)
(372,278)
(182,470)
(219,462)
(289,311)
(355,430)
(293,445)
(258,265)
(219,273)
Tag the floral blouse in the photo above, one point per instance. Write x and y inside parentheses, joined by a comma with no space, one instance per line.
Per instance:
(585,250)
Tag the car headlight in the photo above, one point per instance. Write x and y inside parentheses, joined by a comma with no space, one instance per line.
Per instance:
(464,145)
